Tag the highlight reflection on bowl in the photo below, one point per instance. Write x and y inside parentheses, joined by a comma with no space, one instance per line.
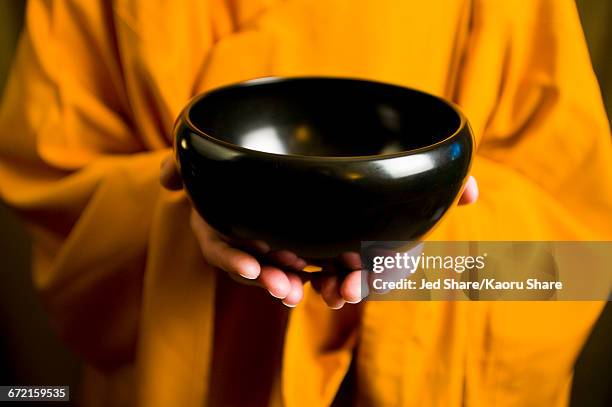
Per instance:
(317,165)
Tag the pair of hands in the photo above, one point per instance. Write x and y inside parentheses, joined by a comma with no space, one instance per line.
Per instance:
(280,275)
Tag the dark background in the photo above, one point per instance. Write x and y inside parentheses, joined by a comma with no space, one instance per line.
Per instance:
(30,354)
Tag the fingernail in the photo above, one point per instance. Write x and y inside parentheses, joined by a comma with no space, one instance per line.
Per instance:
(250,272)
(247,276)
(275,296)
(340,305)
(289,305)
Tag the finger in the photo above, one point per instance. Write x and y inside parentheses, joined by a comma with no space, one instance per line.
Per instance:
(282,258)
(299,264)
(257,247)
(351,287)
(169,176)
(350,260)
(296,293)
(275,281)
(287,260)
(330,291)
(239,279)
(220,254)
(470,192)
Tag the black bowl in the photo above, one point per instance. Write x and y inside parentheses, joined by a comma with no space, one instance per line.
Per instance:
(317,165)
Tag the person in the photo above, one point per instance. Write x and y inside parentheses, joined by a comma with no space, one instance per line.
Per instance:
(129,273)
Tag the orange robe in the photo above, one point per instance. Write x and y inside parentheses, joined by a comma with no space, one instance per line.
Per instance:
(87,117)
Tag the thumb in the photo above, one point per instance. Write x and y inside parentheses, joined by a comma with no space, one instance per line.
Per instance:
(169,176)
(470,192)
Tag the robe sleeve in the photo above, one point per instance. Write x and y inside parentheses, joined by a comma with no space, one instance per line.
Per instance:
(544,160)
(544,166)
(83,129)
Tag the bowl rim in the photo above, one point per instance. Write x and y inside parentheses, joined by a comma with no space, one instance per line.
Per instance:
(184,117)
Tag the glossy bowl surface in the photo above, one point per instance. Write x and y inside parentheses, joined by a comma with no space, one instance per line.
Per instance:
(317,165)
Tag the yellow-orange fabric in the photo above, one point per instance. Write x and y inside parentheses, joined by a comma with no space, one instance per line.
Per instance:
(86,119)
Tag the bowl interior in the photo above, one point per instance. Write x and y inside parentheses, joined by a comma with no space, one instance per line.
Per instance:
(324,117)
